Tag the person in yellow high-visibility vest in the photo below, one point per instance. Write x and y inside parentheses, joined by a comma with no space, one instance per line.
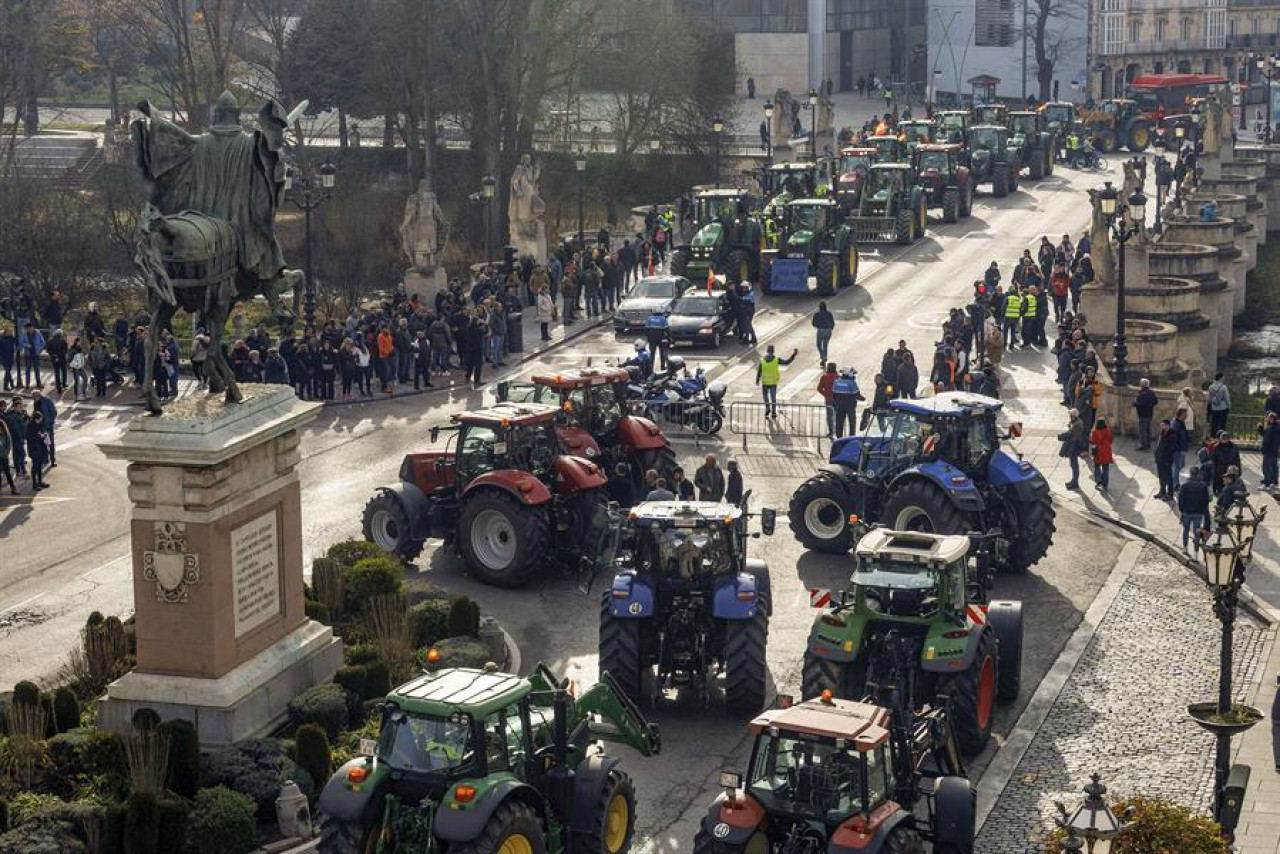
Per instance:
(768,375)
(1029,335)
(1012,317)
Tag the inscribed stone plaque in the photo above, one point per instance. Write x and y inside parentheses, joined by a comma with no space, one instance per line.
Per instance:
(255,569)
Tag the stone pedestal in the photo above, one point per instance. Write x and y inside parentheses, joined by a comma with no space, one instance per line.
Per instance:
(223,640)
(425,285)
(535,245)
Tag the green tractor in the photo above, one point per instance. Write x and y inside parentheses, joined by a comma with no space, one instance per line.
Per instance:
(728,239)
(916,627)
(951,125)
(1059,117)
(991,114)
(893,208)
(992,160)
(1037,144)
(480,762)
(813,240)
(796,180)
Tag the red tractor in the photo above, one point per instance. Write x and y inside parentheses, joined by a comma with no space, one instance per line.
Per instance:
(593,420)
(503,493)
(854,164)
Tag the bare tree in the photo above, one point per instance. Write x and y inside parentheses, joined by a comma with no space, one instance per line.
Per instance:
(1049,26)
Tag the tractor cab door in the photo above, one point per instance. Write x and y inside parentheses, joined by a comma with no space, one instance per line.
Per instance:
(479,449)
(523,392)
(893,440)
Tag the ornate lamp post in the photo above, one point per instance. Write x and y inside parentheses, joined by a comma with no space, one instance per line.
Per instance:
(1093,820)
(488,189)
(1268,69)
(717,130)
(1124,221)
(580,166)
(768,139)
(308,189)
(813,123)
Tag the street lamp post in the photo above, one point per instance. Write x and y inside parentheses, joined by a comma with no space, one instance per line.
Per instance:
(308,190)
(768,137)
(580,166)
(813,123)
(1125,221)
(1093,820)
(488,191)
(717,129)
(1268,69)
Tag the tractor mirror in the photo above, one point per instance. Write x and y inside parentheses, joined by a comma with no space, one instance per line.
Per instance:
(746,498)
(435,434)
(1015,430)
(503,388)
(768,521)
(730,780)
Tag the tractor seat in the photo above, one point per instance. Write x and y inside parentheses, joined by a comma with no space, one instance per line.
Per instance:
(815,787)
(905,603)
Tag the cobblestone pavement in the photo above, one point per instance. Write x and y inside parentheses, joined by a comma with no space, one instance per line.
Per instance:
(1122,712)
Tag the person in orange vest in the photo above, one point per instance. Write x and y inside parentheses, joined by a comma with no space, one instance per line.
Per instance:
(386,349)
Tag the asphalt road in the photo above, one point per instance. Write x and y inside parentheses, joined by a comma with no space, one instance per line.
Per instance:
(66,554)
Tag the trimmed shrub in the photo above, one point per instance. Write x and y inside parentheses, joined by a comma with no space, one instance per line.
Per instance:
(66,710)
(464,618)
(145,719)
(349,552)
(222,822)
(360,653)
(372,576)
(312,752)
(57,830)
(141,824)
(27,804)
(352,678)
(377,681)
(184,757)
(105,646)
(429,622)
(173,815)
(255,767)
(316,611)
(329,706)
(462,652)
(26,693)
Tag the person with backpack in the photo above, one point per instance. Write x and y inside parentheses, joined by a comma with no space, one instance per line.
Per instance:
(1219,405)
(1270,432)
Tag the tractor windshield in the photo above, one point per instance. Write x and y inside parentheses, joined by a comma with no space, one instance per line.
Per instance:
(886,179)
(854,163)
(805,217)
(421,743)
(988,138)
(809,775)
(1062,115)
(606,407)
(934,160)
(898,589)
(686,553)
(530,447)
(1024,125)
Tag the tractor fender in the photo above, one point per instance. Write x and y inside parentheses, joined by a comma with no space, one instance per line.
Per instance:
(631,597)
(954,813)
(340,800)
(640,434)
(417,507)
(1005,471)
(576,474)
(464,825)
(955,484)
(734,597)
(952,664)
(733,824)
(520,485)
(867,833)
(842,650)
(589,780)
(578,441)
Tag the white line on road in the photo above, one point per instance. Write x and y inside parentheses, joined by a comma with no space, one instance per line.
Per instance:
(27,601)
(807,379)
(86,576)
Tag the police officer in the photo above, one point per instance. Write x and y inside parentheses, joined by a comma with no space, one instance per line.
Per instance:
(655,329)
(1012,317)
(845,395)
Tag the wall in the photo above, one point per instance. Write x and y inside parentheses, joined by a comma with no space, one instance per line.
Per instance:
(775,60)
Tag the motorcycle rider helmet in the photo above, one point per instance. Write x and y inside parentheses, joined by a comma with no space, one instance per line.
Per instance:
(641,345)
(675,363)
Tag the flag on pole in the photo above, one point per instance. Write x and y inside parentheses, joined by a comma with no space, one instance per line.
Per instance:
(650,260)
(711,279)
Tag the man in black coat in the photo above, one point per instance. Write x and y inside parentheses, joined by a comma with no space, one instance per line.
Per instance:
(471,350)
(1224,456)
(1145,403)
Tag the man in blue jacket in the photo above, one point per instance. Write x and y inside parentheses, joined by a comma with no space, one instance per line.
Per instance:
(44,405)
(31,345)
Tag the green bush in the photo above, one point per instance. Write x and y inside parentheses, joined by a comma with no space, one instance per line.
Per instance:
(360,653)
(142,824)
(173,815)
(26,804)
(317,611)
(66,710)
(1159,826)
(312,752)
(349,552)
(328,706)
(352,678)
(372,576)
(377,682)
(26,693)
(222,822)
(462,652)
(184,757)
(56,830)
(429,622)
(464,618)
(329,584)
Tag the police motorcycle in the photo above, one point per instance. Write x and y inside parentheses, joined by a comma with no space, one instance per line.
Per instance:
(676,396)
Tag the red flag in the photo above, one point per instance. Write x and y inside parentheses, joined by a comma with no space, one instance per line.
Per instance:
(711,279)
(650,262)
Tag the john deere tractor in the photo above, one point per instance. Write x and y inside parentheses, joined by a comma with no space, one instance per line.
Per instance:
(1117,122)
(1036,142)
(932,465)
(728,239)
(916,627)
(796,180)
(813,240)
(946,179)
(482,762)
(992,160)
(1059,118)
(991,114)
(893,207)
(951,125)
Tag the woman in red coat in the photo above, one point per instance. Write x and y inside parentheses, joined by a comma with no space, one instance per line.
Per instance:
(1100,443)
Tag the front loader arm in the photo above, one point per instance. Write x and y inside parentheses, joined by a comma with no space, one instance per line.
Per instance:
(620,719)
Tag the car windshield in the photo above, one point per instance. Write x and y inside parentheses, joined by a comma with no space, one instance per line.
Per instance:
(933,160)
(686,552)
(421,743)
(807,774)
(698,306)
(654,289)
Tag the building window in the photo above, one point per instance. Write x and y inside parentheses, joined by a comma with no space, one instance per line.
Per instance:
(993,23)
(1231,28)
(1257,26)
(1112,33)
(1135,30)
(1184,29)
(1215,28)
(1160,22)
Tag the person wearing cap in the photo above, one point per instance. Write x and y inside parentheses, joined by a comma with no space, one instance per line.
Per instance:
(1232,488)
(1224,457)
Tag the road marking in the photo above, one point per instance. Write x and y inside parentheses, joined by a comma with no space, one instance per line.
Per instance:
(733,373)
(797,385)
(86,575)
(22,603)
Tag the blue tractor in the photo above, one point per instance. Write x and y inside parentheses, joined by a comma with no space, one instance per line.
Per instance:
(687,603)
(932,465)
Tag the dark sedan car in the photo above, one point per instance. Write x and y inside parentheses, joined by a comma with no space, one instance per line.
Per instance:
(653,293)
(700,319)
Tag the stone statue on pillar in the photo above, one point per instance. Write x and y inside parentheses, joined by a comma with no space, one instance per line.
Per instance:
(525,209)
(1212,125)
(1100,249)
(423,230)
(782,118)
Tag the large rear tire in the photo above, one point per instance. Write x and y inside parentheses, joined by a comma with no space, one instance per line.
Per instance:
(385,523)
(1138,138)
(745,668)
(845,681)
(919,505)
(903,839)
(662,460)
(614,823)
(966,203)
(513,827)
(679,262)
(973,697)
(827,277)
(1106,140)
(739,267)
(904,226)
(503,542)
(950,204)
(344,837)
(1000,180)
(1034,532)
(819,515)
(620,650)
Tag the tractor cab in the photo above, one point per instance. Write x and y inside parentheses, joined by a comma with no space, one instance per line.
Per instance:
(854,165)
(907,575)
(992,138)
(1059,116)
(952,125)
(1026,123)
(590,403)
(936,163)
(889,149)
(504,436)
(687,541)
(814,216)
(720,206)
(955,429)
(990,114)
(795,180)
(916,132)
(885,181)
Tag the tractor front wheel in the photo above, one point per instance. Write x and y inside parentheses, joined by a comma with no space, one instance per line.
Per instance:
(620,649)
(923,221)
(950,204)
(1034,532)
(345,837)
(973,697)
(386,524)
(679,262)
(745,669)
(503,541)
(513,828)
(904,227)
(903,839)
(828,276)
(919,505)
(1000,180)
(614,823)
(819,515)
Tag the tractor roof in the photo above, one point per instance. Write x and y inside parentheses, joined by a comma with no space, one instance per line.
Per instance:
(863,724)
(506,414)
(1013,113)
(476,692)
(685,514)
(811,203)
(579,377)
(947,147)
(890,167)
(988,127)
(791,166)
(883,137)
(859,149)
(723,193)
(954,404)
(932,550)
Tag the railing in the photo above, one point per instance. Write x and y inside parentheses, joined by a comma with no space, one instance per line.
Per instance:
(793,421)
(1244,430)
(678,418)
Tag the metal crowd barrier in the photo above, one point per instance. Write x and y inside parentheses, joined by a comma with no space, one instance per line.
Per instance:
(794,421)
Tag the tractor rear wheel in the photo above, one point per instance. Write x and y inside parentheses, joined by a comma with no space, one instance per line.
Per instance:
(386,525)
(819,515)
(1106,140)
(1000,180)
(903,839)
(662,460)
(904,226)
(614,823)
(502,541)
(950,204)
(745,669)
(739,267)
(1035,169)
(973,697)
(345,837)
(919,505)
(679,262)
(513,828)
(828,276)
(1035,532)
(1005,619)
(849,265)
(846,681)
(1138,138)
(620,650)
